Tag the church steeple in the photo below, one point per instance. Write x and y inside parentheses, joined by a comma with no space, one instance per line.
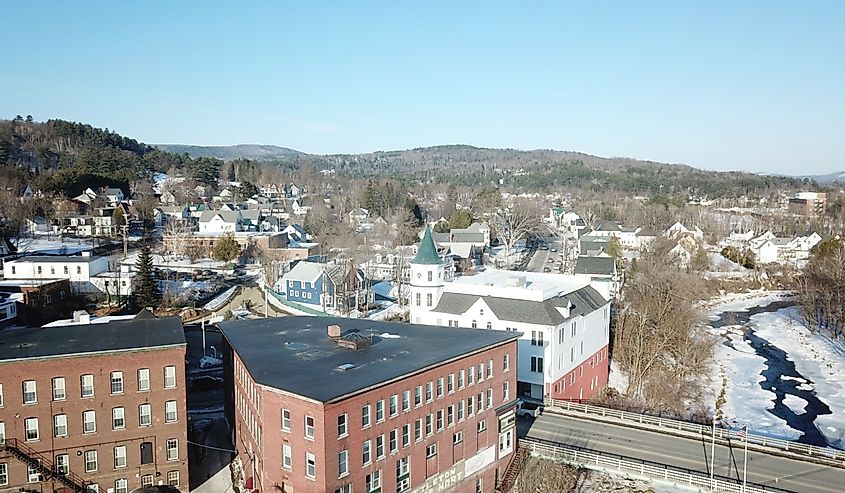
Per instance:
(427,253)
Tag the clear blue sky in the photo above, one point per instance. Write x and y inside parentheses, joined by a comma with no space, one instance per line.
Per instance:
(758,86)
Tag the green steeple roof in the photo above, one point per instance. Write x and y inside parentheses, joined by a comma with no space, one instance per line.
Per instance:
(427,254)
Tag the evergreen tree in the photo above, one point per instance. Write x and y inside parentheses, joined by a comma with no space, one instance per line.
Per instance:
(147,294)
(225,248)
(118,219)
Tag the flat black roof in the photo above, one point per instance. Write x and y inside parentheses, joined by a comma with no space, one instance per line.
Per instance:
(295,354)
(67,340)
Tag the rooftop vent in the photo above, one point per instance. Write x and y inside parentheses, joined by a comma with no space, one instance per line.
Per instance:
(346,366)
(81,317)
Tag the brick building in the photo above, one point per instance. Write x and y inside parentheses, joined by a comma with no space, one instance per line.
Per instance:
(93,407)
(341,405)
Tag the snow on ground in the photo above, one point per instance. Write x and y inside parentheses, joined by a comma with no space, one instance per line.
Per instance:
(617,379)
(220,299)
(818,358)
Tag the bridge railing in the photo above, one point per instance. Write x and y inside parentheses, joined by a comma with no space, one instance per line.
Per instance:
(647,470)
(657,423)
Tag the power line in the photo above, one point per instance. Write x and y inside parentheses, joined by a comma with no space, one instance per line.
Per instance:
(212,447)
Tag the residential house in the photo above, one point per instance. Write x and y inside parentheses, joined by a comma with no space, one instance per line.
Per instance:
(219,222)
(167,198)
(678,230)
(627,236)
(602,274)
(325,285)
(36,225)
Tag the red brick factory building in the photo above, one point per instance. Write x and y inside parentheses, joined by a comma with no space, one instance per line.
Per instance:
(342,405)
(97,407)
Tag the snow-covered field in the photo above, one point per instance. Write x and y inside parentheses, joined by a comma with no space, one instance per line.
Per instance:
(816,357)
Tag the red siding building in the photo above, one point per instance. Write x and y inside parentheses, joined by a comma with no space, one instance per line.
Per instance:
(341,405)
(97,407)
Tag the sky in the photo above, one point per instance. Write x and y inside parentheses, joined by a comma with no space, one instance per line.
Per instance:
(753,85)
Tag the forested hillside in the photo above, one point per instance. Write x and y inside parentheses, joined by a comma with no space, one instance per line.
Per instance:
(67,157)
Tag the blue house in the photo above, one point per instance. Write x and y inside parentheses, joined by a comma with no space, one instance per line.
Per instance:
(326,285)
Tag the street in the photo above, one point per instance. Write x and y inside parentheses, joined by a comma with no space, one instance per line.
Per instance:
(763,469)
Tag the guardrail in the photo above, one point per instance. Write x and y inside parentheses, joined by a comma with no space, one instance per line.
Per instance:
(612,463)
(666,424)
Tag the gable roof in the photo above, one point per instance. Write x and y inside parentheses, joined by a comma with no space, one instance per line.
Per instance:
(595,265)
(583,301)
(305,271)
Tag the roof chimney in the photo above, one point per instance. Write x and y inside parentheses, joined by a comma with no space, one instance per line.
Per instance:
(81,317)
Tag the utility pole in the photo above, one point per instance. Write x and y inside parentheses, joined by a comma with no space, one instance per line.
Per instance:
(125,228)
(712,452)
(745,459)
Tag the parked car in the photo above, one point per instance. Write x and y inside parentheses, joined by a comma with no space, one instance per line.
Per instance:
(528,409)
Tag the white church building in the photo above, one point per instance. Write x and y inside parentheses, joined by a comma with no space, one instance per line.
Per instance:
(565,323)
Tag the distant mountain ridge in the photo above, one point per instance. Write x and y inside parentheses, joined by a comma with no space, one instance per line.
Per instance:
(828,179)
(257,152)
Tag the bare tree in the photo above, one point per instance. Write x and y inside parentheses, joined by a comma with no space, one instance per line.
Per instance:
(516,223)
(176,236)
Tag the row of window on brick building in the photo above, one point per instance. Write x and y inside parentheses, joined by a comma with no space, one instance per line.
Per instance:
(86,385)
(90,463)
(385,409)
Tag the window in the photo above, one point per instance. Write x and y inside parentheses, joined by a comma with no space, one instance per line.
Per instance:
(505,392)
(471,375)
(172,449)
(406,401)
(418,430)
(489,325)
(460,410)
(582,347)
(480,376)
(460,380)
(430,276)
(418,396)
(379,411)
(341,425)
(373,482)
(60,425)
(143,379)
(393,440)
(429,424)
(59,393)
(92,488)
(342,463)
(30,396)
(536,364)
(118,421)
(474,324)
(89,422)
(121,486)
(285,419)
(117,382)
(403,475)
(380,446)
(572,354)
(406,435)
(347,488)
(2,432)
(145,415)
(417,299)
(479,401)
(536,337)
(62,464)
(573,329)
(287,457)
(489,398)
(429,391)
(170,411)
(79,270)
(39,269)
(366,452)
(431,451)
(440,387)
(90,461)
(470,409)
(4,474)
(458,438)
(1,395)
(365,416)
(120,456)
(31,429)
(394,405)
(310,466)
(173,478)
(506,362)
(450,415)
(33,472)
(429,299)
(451,383)
(147,480)
(309,427)
(169,377)
(87,385)
(479,485)
(482,426)
(439,420)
